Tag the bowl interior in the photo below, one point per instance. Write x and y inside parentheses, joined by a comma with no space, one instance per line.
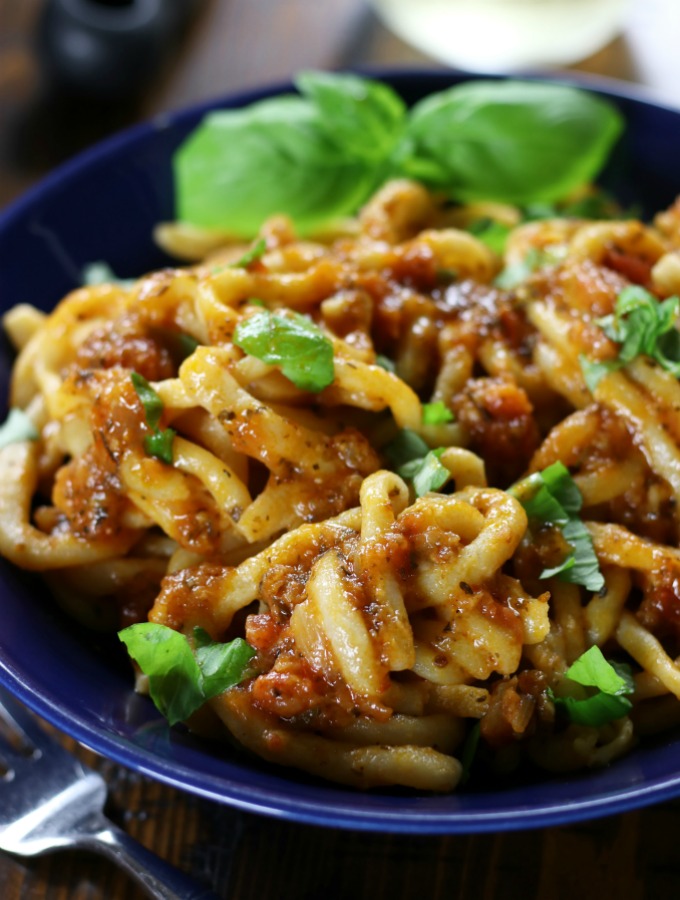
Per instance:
(103,206)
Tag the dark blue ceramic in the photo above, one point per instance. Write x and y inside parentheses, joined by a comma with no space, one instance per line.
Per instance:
(103,206)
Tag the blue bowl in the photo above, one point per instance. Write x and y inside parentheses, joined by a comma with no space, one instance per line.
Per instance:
(103,206)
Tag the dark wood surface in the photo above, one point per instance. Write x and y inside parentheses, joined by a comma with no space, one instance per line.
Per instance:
(235,44)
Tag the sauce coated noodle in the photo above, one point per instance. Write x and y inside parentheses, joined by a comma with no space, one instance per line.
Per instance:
(386,625)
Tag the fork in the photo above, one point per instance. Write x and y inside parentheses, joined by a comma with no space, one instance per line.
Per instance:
(50,801)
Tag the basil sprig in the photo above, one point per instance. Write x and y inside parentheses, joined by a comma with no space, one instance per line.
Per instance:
(181,679)
(643,326)
(160,442)
(611,681)
(319,154)
(436,413)
(293,343)
(251,255)
(551,497)
(413,460)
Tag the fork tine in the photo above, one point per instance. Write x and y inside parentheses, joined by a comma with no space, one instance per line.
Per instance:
(16,716)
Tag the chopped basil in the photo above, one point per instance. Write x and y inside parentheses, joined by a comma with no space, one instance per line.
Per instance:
(518,272)
(293,343)
(436,413)
(611,681)
(251,255)
(319,154)
(406,446)
(430,474)
(594,372)
(551,497)
(644,325)
(182,679)
(17,427)
(413,460)
(158,443)
(152,403)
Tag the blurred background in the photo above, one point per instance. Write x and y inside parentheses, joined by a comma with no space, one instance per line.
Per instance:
(74,71)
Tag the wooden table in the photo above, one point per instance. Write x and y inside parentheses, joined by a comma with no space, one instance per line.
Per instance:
(236,44)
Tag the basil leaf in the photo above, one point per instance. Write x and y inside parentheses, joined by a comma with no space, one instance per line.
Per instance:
(552,497)
(179,681)
(643,325)
(241,166)
(612,682)
(222,666)
(165,657)
(405,447)
(581,566)
(413,460)
(596,710)
(160,444)
(254,253)
(436,413)
(563,488)
(17,427)
(365,117)
(293,343)
(594,372)
(152,403)
(319,155)
(517,273)
(592,670)
(430,474)
(513,141)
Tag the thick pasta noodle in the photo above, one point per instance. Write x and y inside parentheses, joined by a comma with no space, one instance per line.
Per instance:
(387,627)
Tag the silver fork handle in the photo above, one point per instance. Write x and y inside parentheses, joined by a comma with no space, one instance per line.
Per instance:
(158,878)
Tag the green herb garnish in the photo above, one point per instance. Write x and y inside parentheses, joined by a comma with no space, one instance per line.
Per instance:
(551,497)
(319,154)
(158,443)
(643,326)
(17,427)
(293,343)
(427,474)
(251,255)
(405,447)
(413,460)
(506,140)
(182,679)
(436,413)
(611,681)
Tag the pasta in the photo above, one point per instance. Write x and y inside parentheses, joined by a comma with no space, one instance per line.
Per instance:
(392,624)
